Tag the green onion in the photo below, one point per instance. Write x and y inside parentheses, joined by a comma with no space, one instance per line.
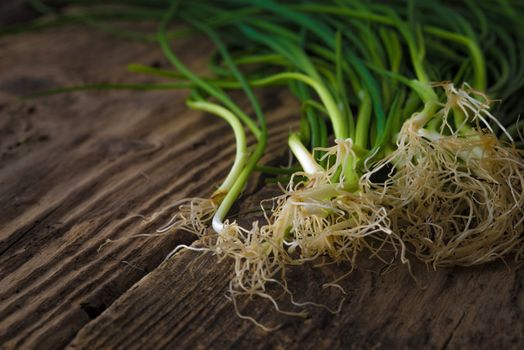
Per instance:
(399,150)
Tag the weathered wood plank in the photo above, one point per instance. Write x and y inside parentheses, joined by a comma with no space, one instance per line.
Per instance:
(75,170)
(181,305)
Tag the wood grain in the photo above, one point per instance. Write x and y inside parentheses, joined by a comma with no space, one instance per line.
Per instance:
(182,305)
(77,169)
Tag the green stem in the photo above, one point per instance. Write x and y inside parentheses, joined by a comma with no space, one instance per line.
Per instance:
(304,157)
(363,120)
(240,139)
(479,65)
(331,107)
(238,186)
(276,170)
(211,90)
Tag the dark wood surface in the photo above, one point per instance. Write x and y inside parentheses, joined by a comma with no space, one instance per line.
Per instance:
(78,169)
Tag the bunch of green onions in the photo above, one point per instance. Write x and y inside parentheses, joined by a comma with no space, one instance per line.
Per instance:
(402,149)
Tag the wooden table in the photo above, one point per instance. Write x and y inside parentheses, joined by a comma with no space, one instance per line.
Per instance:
(78,169)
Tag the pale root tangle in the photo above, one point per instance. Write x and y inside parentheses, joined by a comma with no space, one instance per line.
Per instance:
(456,198)
(193,215)
(314,218)
(339,227)
(317,217)
(257,261)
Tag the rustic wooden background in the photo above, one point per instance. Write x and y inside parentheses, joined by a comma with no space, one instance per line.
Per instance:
(77,169)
